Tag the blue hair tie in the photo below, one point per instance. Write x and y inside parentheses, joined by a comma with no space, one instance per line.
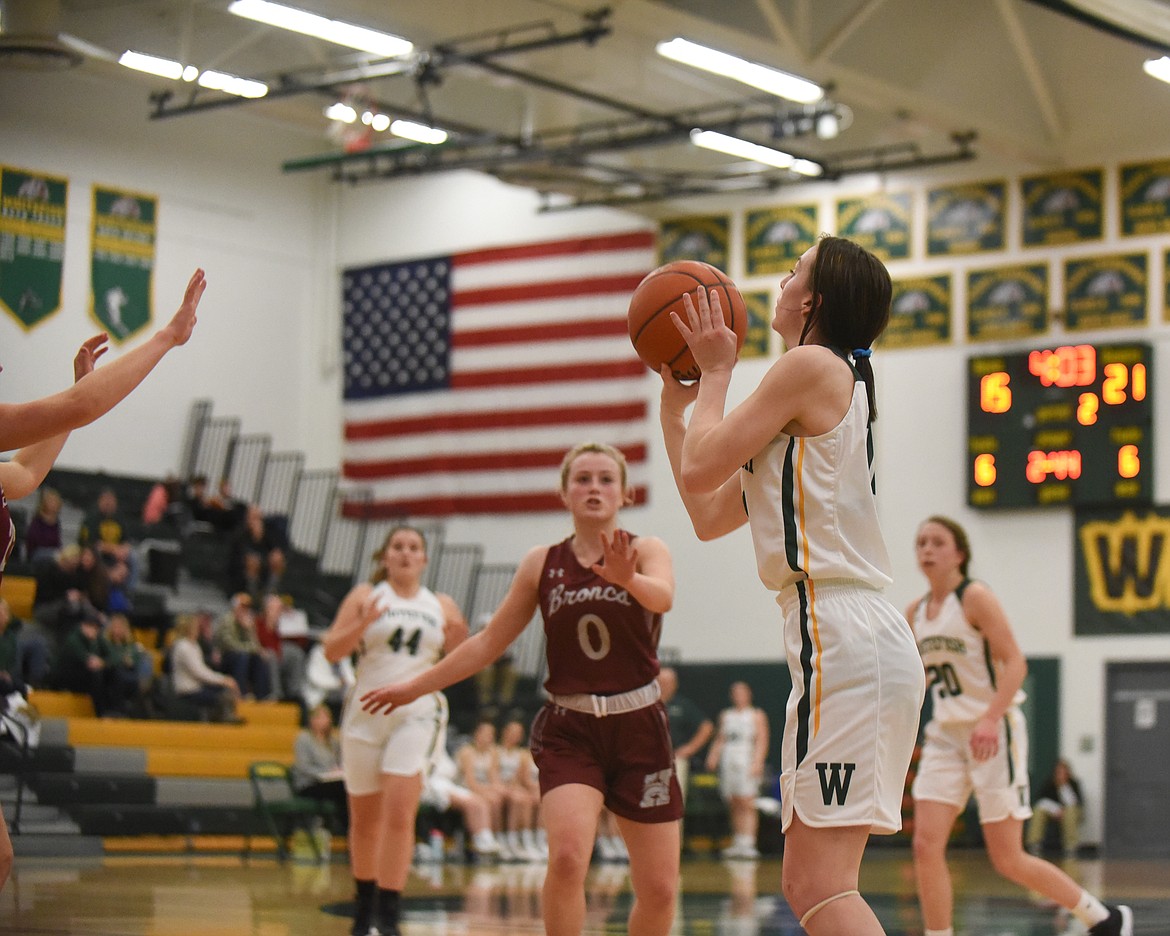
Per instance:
(859,353)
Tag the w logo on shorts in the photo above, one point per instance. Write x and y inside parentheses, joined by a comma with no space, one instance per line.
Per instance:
(833,787)
(656,789)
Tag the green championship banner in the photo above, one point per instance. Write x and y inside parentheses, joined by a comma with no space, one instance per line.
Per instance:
(880,223)
(758,341)
(1122,575)
(32,244)
(700,237)
(1166,286)
(964,219)
(776,237)
(920,313)
(122,262)
(1007,302)
(1063,207)
(1106,292)
(1145,198)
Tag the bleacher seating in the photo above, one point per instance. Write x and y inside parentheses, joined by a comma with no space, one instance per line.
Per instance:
(151,785)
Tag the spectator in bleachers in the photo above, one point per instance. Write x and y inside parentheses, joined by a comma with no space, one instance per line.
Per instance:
(194,682)
(256,562)
(286,657)
(205,637)
(24,655)
(478,763)
(326,683)
(129,669)
(105,531)
(81,665)
(164,503)
(442,792)
(42,539)
(195,500)
(316,770)
(521,796)
(248,663)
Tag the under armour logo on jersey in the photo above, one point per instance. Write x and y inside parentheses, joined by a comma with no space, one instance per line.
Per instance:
(656,789)
(832,786)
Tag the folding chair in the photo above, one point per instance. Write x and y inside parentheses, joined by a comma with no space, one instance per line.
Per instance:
(282,810)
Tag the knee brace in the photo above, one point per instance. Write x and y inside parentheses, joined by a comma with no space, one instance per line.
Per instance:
(813,911)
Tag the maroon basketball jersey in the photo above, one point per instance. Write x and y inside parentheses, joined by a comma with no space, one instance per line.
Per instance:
(7,533)
(600,640)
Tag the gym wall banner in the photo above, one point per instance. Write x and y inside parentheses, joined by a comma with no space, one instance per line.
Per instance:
(1122,574)
(122,261)
(32,244)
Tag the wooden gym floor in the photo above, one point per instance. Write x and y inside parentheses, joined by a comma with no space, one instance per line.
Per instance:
(224,896)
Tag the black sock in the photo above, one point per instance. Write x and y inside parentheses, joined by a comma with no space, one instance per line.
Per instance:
(388,910)
(363,916)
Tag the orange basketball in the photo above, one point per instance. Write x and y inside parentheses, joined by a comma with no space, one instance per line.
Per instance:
(655,337)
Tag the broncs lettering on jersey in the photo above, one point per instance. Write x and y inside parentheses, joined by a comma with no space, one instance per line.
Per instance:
(561,597)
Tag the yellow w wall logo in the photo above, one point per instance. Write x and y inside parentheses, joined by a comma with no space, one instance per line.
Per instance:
(1123,572)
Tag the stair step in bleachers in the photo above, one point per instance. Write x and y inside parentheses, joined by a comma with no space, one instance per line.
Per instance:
(52,704)
(67,789)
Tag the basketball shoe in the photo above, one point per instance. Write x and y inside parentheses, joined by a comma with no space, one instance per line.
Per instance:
(1118,923)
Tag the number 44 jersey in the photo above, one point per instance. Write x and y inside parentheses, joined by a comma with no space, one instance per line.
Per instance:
(406,639)
(960,673)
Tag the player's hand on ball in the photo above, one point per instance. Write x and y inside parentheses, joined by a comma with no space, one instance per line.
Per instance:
(676,395)
(712,343)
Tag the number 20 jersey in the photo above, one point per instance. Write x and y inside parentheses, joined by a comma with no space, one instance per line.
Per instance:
(960,673)
(600,640)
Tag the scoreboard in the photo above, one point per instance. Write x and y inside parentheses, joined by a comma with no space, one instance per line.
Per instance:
(1069,425)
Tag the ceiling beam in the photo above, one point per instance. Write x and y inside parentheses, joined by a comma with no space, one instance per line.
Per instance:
(1031,66)
(845,29)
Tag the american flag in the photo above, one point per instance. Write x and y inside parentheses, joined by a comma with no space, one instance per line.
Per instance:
(468,377)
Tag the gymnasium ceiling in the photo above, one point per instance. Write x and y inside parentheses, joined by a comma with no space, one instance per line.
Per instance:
(570,98)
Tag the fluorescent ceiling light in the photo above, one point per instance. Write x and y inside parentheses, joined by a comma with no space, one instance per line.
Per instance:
(767,79)
(152,64)
(231,84)
(310,24)
(341,111)
(734,146)
(420,133)
(1158,68)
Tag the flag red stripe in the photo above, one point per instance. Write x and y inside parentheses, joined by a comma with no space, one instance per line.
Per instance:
(574,245)
(444,506)
(486,461)
(479,337)
(555,373)
(620,286)
(506,419)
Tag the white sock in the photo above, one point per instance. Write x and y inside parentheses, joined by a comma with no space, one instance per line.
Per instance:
(949,931)
(1089,910)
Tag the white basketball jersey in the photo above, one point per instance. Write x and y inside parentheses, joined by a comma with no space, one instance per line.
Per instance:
(406,639)
(959,670)
(811,508)
(508,764)
(739,734)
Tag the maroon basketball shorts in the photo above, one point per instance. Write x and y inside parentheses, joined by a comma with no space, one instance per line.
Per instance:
(628,757)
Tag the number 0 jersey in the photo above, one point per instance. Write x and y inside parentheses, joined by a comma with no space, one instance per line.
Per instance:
(600,640)
(960,673)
